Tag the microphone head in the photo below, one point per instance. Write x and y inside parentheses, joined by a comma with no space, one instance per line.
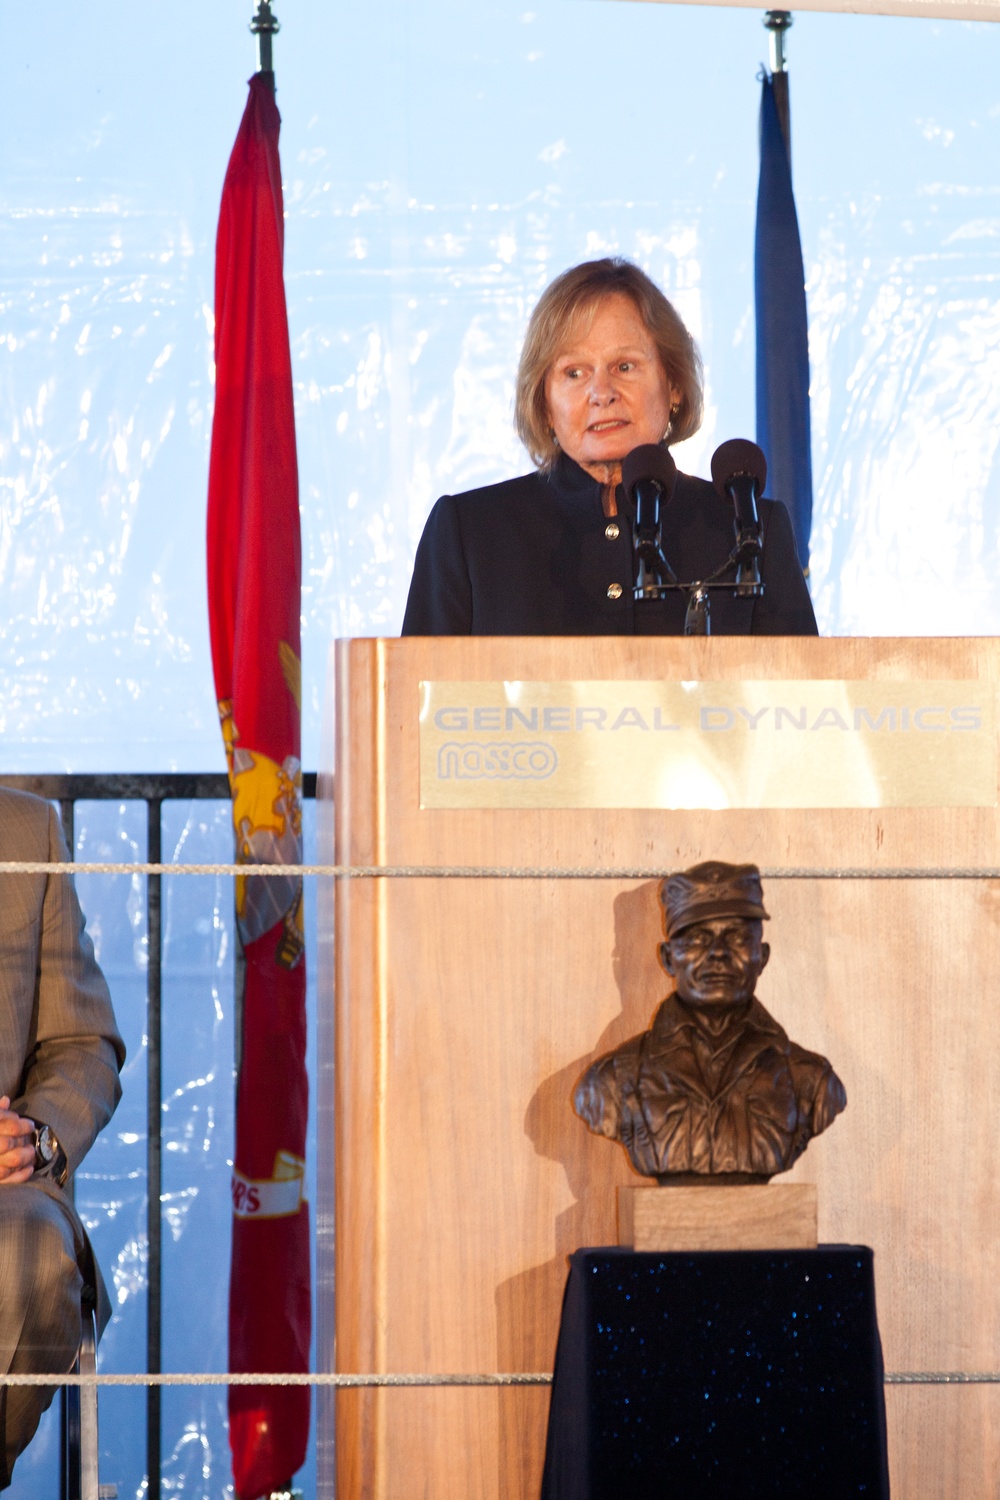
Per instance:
(738,457)
(649,461)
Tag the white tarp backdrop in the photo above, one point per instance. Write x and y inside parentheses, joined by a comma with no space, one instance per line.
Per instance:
(442,161)
(944,10)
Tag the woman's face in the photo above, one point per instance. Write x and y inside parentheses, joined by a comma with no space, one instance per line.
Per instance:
(607,391)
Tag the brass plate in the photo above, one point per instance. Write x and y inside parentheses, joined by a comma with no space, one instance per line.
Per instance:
(773,744)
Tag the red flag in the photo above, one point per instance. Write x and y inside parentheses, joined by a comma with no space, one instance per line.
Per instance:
(254,589)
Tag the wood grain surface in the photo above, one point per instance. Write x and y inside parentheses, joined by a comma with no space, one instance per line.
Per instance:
(465,1010)
(780,1216)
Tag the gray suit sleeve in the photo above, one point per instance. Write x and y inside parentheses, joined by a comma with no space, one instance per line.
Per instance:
(70,1077)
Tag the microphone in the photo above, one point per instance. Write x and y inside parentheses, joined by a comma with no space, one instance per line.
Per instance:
(739,472)
(648,475)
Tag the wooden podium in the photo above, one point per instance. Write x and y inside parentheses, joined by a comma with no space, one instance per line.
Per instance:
(459,1013)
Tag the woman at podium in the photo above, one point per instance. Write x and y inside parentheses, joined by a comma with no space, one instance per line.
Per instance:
(607,366)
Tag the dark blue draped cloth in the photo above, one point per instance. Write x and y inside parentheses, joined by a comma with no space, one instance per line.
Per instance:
(722,1375)
(783,429)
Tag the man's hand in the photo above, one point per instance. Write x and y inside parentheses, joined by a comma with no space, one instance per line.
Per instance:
(17,1145)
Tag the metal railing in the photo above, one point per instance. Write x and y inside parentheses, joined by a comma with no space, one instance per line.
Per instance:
(152,788)
(156,788)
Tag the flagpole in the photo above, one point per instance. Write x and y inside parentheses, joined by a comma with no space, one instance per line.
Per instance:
(264,25)
(255,624)
(783,416)
(776,23)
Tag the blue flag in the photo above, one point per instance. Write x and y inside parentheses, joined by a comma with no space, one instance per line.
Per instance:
(783,429)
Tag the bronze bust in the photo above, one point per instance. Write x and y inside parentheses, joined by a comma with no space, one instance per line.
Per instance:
(714,1090)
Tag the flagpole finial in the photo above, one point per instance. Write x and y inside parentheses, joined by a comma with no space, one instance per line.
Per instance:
(264,25)
(777,22)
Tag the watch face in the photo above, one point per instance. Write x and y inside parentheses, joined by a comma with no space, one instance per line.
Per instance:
(45,1144)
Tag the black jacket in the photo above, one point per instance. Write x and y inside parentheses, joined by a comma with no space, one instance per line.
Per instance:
(537,556)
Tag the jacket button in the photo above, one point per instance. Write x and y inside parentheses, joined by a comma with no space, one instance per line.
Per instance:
(614,590)
(611,531)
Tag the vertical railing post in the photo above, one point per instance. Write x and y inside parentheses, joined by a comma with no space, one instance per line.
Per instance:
(154,1166)
(67,813)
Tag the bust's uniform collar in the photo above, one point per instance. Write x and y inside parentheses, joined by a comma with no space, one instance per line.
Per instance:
(757,1029)
(670,1048)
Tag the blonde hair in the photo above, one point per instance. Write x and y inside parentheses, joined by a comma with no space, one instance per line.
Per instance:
(579,290)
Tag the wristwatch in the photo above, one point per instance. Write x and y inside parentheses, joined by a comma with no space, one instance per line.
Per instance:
(50,1158)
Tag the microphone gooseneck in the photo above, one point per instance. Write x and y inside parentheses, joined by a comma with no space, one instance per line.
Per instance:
(648,475)
(739,473)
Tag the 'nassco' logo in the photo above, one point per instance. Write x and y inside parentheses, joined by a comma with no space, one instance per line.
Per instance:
(276,1197)
(267,822)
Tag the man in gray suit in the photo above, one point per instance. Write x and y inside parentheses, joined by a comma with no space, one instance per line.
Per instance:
(60,1054)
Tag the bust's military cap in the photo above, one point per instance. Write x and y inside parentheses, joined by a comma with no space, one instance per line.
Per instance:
(711,889)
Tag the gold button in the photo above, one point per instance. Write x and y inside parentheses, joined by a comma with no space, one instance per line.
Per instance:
(614,590)
(611,531)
